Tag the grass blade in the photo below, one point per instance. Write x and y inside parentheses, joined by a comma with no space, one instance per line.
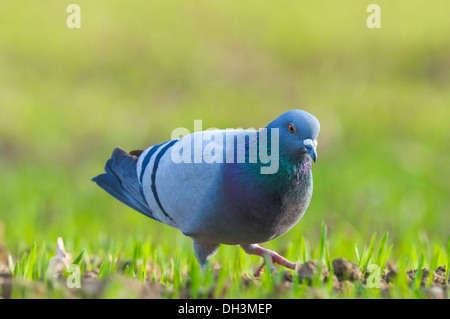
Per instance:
(419,273)
(28,271)
(323,249)
(77,260)
(358,258)
(368,255)
(447,269)
(381,249)
(433,266)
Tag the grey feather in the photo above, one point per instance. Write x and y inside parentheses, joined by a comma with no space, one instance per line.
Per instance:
(120,181)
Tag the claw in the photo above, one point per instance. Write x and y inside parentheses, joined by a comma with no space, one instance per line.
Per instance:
(260,270)
(272,257)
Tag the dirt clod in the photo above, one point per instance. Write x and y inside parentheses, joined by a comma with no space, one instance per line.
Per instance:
(287,276)
(346,286)
(438,279)
(308,271)
(346,270)
(435,292)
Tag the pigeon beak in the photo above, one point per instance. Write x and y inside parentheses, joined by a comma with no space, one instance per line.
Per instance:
(312,152)
(310,147)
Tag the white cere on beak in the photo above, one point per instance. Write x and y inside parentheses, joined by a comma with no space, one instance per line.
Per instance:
(309,142)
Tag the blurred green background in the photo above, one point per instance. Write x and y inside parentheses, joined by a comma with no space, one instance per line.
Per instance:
(138,69)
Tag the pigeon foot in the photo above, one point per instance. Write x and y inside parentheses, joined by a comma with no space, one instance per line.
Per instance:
(255,249)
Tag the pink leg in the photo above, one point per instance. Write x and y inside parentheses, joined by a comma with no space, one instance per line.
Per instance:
(254,249)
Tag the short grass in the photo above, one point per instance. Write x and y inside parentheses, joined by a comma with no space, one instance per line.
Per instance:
(137,269)
(131,75)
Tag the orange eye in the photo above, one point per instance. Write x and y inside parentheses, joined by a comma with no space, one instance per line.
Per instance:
(291,128)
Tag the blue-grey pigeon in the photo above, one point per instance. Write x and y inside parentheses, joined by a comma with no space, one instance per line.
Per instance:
(234,187)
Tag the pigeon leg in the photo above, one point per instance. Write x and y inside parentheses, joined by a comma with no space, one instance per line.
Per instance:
(203,252)
(255,249)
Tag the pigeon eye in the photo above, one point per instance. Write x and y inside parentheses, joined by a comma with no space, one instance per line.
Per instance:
(291,128)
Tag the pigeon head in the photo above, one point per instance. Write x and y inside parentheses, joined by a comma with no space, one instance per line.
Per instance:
(298,132)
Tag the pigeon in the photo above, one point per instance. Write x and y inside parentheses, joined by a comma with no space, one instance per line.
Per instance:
(232,187)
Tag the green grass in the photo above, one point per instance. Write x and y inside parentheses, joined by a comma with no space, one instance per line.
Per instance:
(137,264)
(131,75)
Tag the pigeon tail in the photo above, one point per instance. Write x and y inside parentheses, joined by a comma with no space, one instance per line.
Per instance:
(121,181)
